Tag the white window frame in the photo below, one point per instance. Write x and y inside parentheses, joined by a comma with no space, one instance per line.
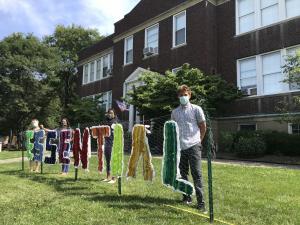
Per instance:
(259,77)
(258,17)
(125,50)
(108,96)
(146,37)
(110,66)
(174,31)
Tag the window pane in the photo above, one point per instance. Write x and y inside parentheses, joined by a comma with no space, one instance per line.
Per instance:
(152,37)
(180,21)
(105,65)
(271,71)
(245,7)
(180,37)
(92,75)
(129,43)
(247,23)
(247,127)
(266,3)
(271,63)
(292,52)
(272,83)
(129,56)
(98,73)
(86,74)
(111,61)
(269,15)
(292,8)
(248,72)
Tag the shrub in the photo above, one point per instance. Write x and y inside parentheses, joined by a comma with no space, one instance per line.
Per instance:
(282,143)
(226,141)
(250,146)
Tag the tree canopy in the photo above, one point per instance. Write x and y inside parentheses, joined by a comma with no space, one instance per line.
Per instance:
(158,95)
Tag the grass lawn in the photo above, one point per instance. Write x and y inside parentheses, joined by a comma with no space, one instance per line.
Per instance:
(243,195)
(10,154)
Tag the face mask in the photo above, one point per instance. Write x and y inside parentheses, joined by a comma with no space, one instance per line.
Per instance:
(184,100)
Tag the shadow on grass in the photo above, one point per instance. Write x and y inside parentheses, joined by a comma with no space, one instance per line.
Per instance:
(69,187)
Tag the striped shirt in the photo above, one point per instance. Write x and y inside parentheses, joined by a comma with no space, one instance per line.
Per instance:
(188,118)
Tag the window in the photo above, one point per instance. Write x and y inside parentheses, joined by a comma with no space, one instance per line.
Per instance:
(263,74)
(128,50)
(179,29)
(254,14)
(106,100)
(175,70)
(97,69)
(269,12)
(292,8)
(151,38)
(294,128)
(105,66)
(247,127)
(291,52)
(248,80)
(92,71)
(271,72)
(246,15)
(86,74)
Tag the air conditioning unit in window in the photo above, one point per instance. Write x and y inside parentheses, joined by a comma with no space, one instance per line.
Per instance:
(109,71)
(149,51)
(248,91)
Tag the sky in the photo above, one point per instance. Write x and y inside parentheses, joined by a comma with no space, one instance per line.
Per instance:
(41,16)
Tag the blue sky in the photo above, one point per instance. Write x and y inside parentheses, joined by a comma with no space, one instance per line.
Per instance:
(41,16)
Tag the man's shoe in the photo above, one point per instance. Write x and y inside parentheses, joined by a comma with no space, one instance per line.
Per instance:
(201,208)
(187,199)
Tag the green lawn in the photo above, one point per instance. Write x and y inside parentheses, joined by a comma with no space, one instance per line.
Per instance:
(10,154)
(243,195)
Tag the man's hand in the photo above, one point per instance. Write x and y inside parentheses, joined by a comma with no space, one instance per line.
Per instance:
(202,127)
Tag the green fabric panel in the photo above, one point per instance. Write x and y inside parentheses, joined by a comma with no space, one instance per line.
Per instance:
(29,135)
(170,170)
(117,151)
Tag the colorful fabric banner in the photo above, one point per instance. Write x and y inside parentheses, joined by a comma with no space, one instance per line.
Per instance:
(117,151)
(99,133)
(51,146)
(171,159)
(65,136)
(39,145)
(29,138)
(140,147)
(81,149)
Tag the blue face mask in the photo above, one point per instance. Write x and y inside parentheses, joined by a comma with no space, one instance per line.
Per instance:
(184,100)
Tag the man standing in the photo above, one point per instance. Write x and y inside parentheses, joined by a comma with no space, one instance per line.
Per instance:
(192,127)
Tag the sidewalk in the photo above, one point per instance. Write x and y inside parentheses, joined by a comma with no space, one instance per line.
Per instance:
(14,160)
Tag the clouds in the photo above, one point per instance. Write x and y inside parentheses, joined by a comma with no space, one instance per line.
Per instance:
(41,16)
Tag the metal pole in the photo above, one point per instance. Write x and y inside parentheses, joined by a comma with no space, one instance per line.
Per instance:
(210,188)
(76,174)
(119,185)
(42,167)
(23,167)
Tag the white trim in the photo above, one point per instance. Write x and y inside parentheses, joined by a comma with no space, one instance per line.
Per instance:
(125,50)
(146,36)
(174,31)
(259,75)
(282,16)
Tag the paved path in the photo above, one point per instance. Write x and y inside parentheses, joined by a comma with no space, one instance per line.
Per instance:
(217,161)
(14,160)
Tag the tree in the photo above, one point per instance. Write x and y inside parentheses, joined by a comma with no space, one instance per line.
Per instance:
(158,95)
(292,71)
(86,110)
(68,41)
(27,68)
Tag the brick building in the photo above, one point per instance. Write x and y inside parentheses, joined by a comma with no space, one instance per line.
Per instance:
(245,41)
